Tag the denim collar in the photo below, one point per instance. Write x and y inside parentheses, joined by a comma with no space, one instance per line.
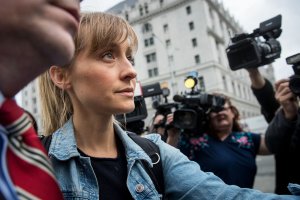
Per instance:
(63,145)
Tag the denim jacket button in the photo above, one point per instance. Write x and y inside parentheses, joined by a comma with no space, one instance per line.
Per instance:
(139,188)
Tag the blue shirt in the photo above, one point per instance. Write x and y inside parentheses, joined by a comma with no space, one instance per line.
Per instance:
(233,160)
(183,178)
(7,190)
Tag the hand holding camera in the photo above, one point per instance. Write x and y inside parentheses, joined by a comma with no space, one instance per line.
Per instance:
(286,98)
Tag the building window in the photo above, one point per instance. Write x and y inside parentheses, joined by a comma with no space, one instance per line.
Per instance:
(197,59)
(168,42)
(188,10)
(141,11)
(148,42)
(166,28)
(219,51)
(151,41)
(126,16)
(239,90)
(233,87)
(146,8)
(151,57)
(224,83)
(194,42)
(153,72)
(161,2)
(171,58)
(34,100)
(244,114)
(191,26)
(147,28)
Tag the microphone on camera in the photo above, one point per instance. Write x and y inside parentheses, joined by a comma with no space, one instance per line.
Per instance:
(178,98)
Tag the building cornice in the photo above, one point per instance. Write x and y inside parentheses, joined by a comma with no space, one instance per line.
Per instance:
(160,10)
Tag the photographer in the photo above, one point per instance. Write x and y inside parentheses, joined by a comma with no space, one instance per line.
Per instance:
(224,148)
(282,137)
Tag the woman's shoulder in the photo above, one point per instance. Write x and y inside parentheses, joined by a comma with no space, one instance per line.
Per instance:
(154,137)
(245,139)
(245,133)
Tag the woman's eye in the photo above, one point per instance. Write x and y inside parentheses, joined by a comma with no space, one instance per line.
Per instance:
(108,55)
(131,59)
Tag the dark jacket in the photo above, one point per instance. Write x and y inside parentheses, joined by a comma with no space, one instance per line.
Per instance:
(266,98)
(282,139)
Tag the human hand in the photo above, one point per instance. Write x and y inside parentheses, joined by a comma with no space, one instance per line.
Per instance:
(173,132)
(286,98)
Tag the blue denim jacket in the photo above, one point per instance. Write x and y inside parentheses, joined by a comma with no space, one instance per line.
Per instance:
(183,178)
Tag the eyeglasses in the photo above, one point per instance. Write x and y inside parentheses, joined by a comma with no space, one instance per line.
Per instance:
(224,109)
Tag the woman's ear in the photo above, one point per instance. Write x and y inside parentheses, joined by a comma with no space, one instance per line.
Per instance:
(59,77)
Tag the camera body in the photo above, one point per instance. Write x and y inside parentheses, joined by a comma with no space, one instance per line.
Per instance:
(164,109)
(247,51)
(193,110)
(294,83)
(133,121)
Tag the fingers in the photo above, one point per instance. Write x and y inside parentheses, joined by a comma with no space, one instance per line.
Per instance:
(283,92)
(278,83)
(170,118)
(158,119)
(286,98)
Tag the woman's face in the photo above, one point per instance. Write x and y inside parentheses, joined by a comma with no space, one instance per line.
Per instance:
(103,83)
(222,120)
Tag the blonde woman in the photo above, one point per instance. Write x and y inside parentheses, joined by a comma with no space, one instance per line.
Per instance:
(93,157)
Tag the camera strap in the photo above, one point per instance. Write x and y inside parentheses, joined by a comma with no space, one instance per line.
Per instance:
(152,150)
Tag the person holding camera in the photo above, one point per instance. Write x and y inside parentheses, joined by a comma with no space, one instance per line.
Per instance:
(283,145)
(224,148)
(93,157)
(162,124)
(283,136)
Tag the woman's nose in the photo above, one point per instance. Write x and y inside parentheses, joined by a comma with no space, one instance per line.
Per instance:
(128,71)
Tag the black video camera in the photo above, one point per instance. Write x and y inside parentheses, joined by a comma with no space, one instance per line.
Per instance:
(294,83)
(193,111)
(163,109)
(134,121)
(247,51)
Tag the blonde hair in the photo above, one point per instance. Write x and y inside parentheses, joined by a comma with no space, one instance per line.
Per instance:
(97,32)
